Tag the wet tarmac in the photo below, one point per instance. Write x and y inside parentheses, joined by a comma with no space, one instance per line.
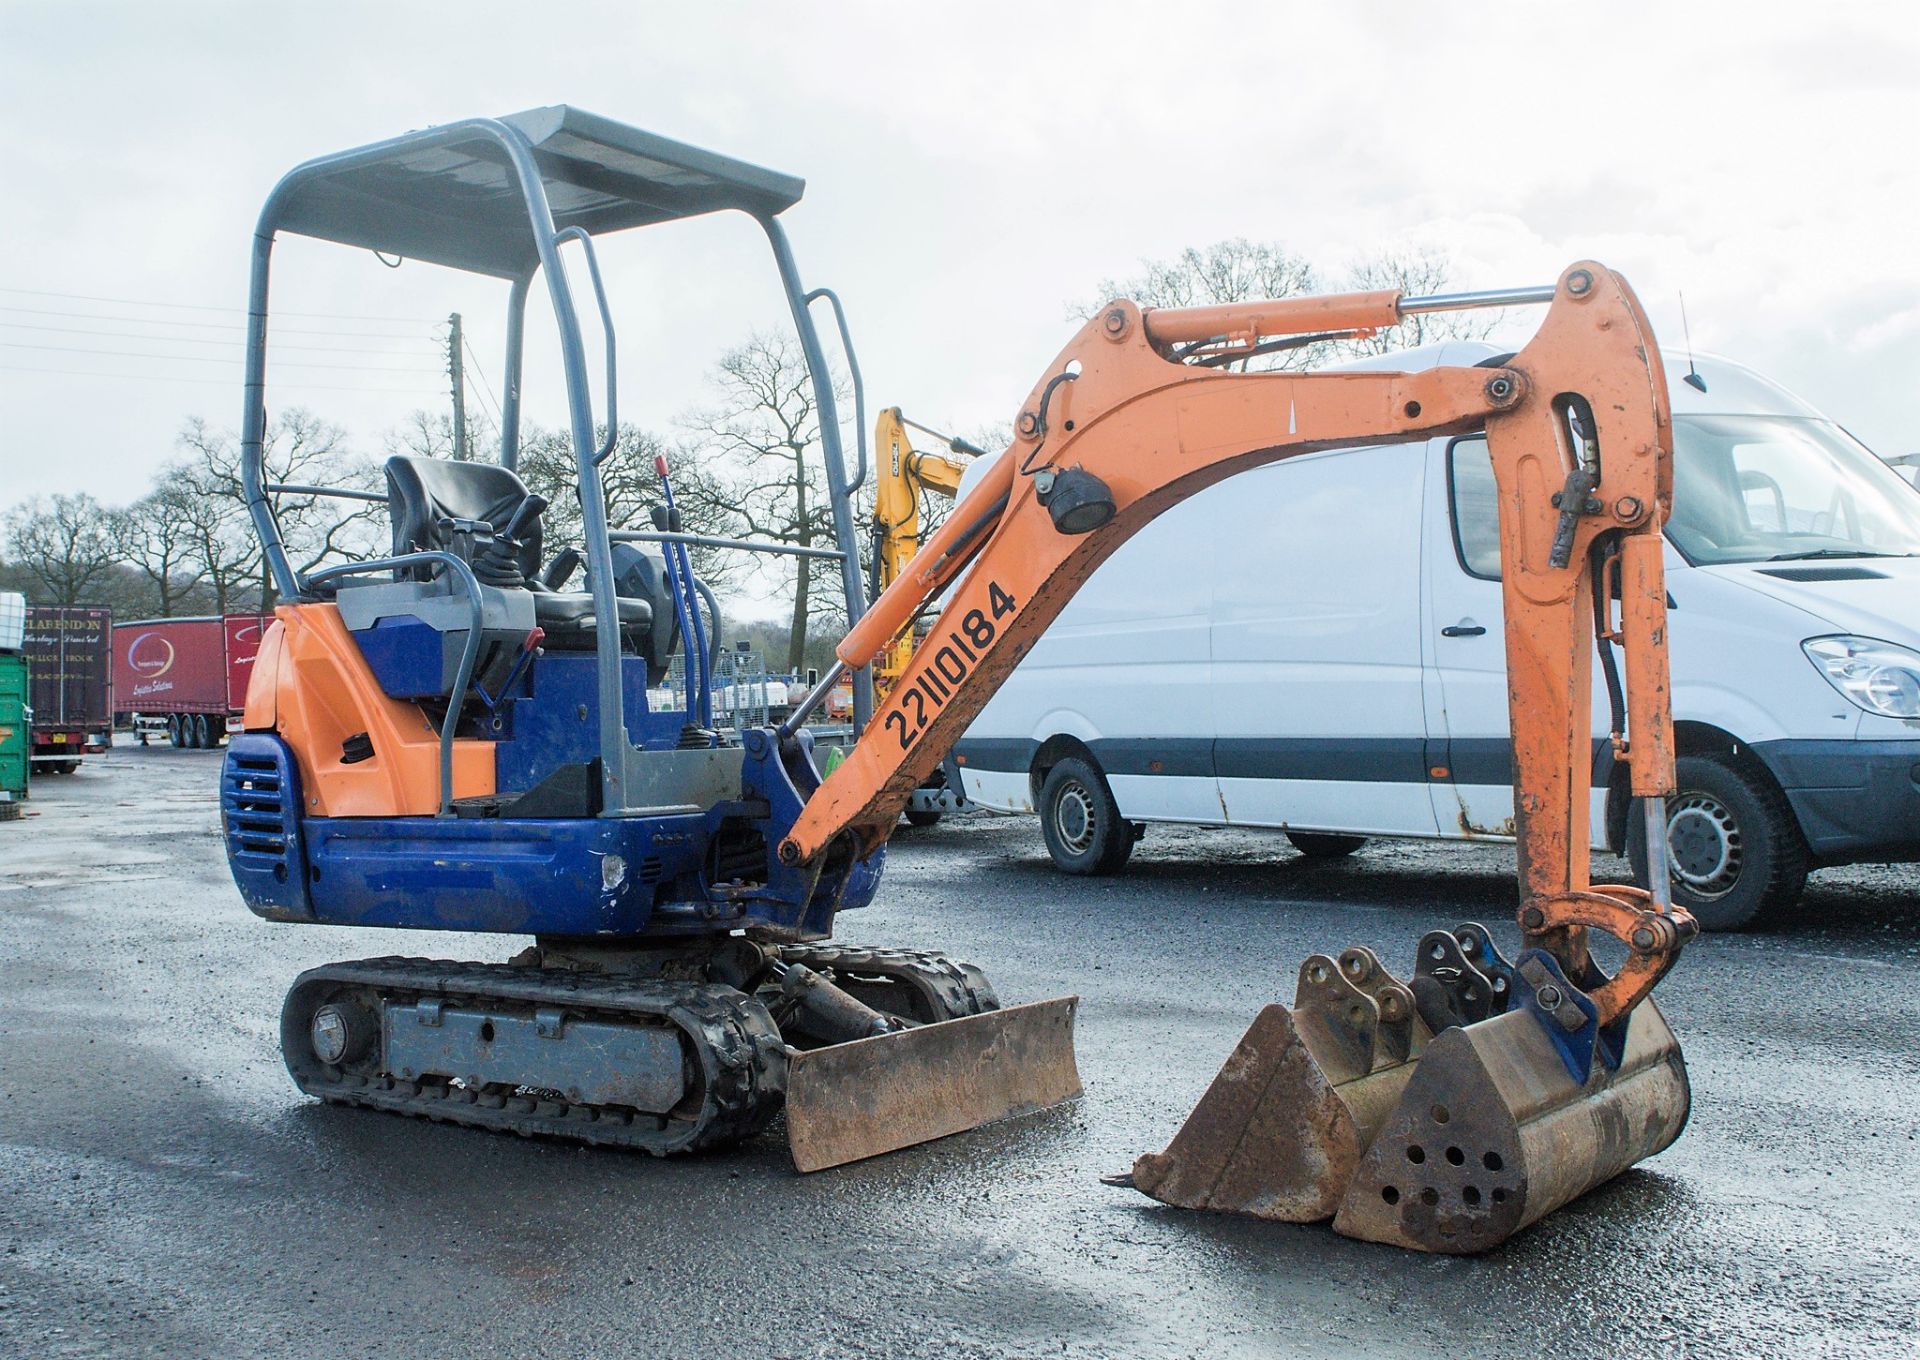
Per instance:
(164,1191)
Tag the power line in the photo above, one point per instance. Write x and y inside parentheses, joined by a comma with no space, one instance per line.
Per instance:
(198,358)
(197,325)
(205,307)
(197,340)
(204,382)
(485,386)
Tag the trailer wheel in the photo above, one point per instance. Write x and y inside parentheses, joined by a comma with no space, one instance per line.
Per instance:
(174,736)
(202,732)
(1736,852)
(1084,831)
(1325,845)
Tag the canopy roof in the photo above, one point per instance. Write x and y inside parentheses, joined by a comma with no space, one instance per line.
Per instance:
(451,195)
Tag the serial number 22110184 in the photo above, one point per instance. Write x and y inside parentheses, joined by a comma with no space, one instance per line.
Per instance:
(951,662)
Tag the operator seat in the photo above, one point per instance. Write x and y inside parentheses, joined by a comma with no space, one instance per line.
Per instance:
(424,493)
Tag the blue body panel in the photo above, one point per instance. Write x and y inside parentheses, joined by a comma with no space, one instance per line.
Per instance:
(541,877)
(260,814)
(553,719)
(602,877)
(619,877)
(406,656)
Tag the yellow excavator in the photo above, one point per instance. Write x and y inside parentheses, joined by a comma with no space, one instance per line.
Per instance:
(902,474)
(453,738)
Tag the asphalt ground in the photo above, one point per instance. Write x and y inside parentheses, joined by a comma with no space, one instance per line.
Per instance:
(165,1191)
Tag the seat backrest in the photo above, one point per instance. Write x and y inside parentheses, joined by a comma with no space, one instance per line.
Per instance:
(423,491)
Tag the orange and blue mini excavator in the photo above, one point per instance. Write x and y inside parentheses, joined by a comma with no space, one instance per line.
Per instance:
(456,737)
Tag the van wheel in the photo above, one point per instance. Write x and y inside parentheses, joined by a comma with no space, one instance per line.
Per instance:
(1323,845)
(1084,830)
(1733,846)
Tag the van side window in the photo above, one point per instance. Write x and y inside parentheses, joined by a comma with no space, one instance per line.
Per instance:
(1473,505)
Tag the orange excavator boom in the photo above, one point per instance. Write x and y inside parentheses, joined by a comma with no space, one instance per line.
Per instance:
(1141,410)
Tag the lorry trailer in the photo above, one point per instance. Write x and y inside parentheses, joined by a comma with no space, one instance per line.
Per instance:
(186,678)
(71,685)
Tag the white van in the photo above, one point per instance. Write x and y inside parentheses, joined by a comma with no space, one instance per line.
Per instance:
(1311,646)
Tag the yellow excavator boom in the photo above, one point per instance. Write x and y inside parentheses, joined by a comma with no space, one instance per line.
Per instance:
(904,474)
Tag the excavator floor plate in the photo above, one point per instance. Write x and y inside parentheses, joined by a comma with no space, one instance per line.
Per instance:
(847,1102)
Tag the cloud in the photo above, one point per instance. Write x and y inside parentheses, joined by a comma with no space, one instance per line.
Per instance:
(971,170)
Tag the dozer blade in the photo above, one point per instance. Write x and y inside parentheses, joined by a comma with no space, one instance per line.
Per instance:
(849,1101)
(1494,1132)
(1282,1128)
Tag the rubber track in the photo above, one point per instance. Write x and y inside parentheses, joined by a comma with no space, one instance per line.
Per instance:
(959,988)
(740,1052)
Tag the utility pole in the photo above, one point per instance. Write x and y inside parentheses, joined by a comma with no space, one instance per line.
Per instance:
(457,371)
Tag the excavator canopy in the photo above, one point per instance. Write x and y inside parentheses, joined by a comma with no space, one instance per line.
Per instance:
(450,195)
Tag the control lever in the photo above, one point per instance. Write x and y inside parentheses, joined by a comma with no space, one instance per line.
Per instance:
(463,536)
(524,515)
(498,563)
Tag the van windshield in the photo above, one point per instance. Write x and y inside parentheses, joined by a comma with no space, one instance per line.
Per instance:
(1745,489)
(1776,488)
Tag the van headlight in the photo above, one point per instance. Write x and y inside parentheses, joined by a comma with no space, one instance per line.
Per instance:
(1878,676)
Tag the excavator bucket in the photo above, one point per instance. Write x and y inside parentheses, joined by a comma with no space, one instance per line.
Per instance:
(855,1100)
(1495,1131)
(1281,1130)
(1445,1116)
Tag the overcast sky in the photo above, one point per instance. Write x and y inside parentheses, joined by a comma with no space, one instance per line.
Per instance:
(970,170)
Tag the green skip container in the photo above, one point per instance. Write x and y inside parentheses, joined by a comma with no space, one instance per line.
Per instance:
(15,739)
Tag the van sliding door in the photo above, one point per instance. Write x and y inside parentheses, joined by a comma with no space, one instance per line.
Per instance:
(1316,645)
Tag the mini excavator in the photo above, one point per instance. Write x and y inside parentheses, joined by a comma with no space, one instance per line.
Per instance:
(451,738)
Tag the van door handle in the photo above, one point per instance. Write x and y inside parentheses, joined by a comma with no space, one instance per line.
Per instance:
(1462,629)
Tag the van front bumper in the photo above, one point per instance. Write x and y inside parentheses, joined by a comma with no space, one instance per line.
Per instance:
(1856,800)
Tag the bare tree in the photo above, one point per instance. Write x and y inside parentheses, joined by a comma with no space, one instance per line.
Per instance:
(1226,271)
(630,482)
(155,534)
(546,463)
(1240,270)
(429,434)
(300,449)
(64,546)
(757,446)
(1416,273)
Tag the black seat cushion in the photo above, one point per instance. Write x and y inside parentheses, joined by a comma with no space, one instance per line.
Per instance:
(567,619)
(423,491)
